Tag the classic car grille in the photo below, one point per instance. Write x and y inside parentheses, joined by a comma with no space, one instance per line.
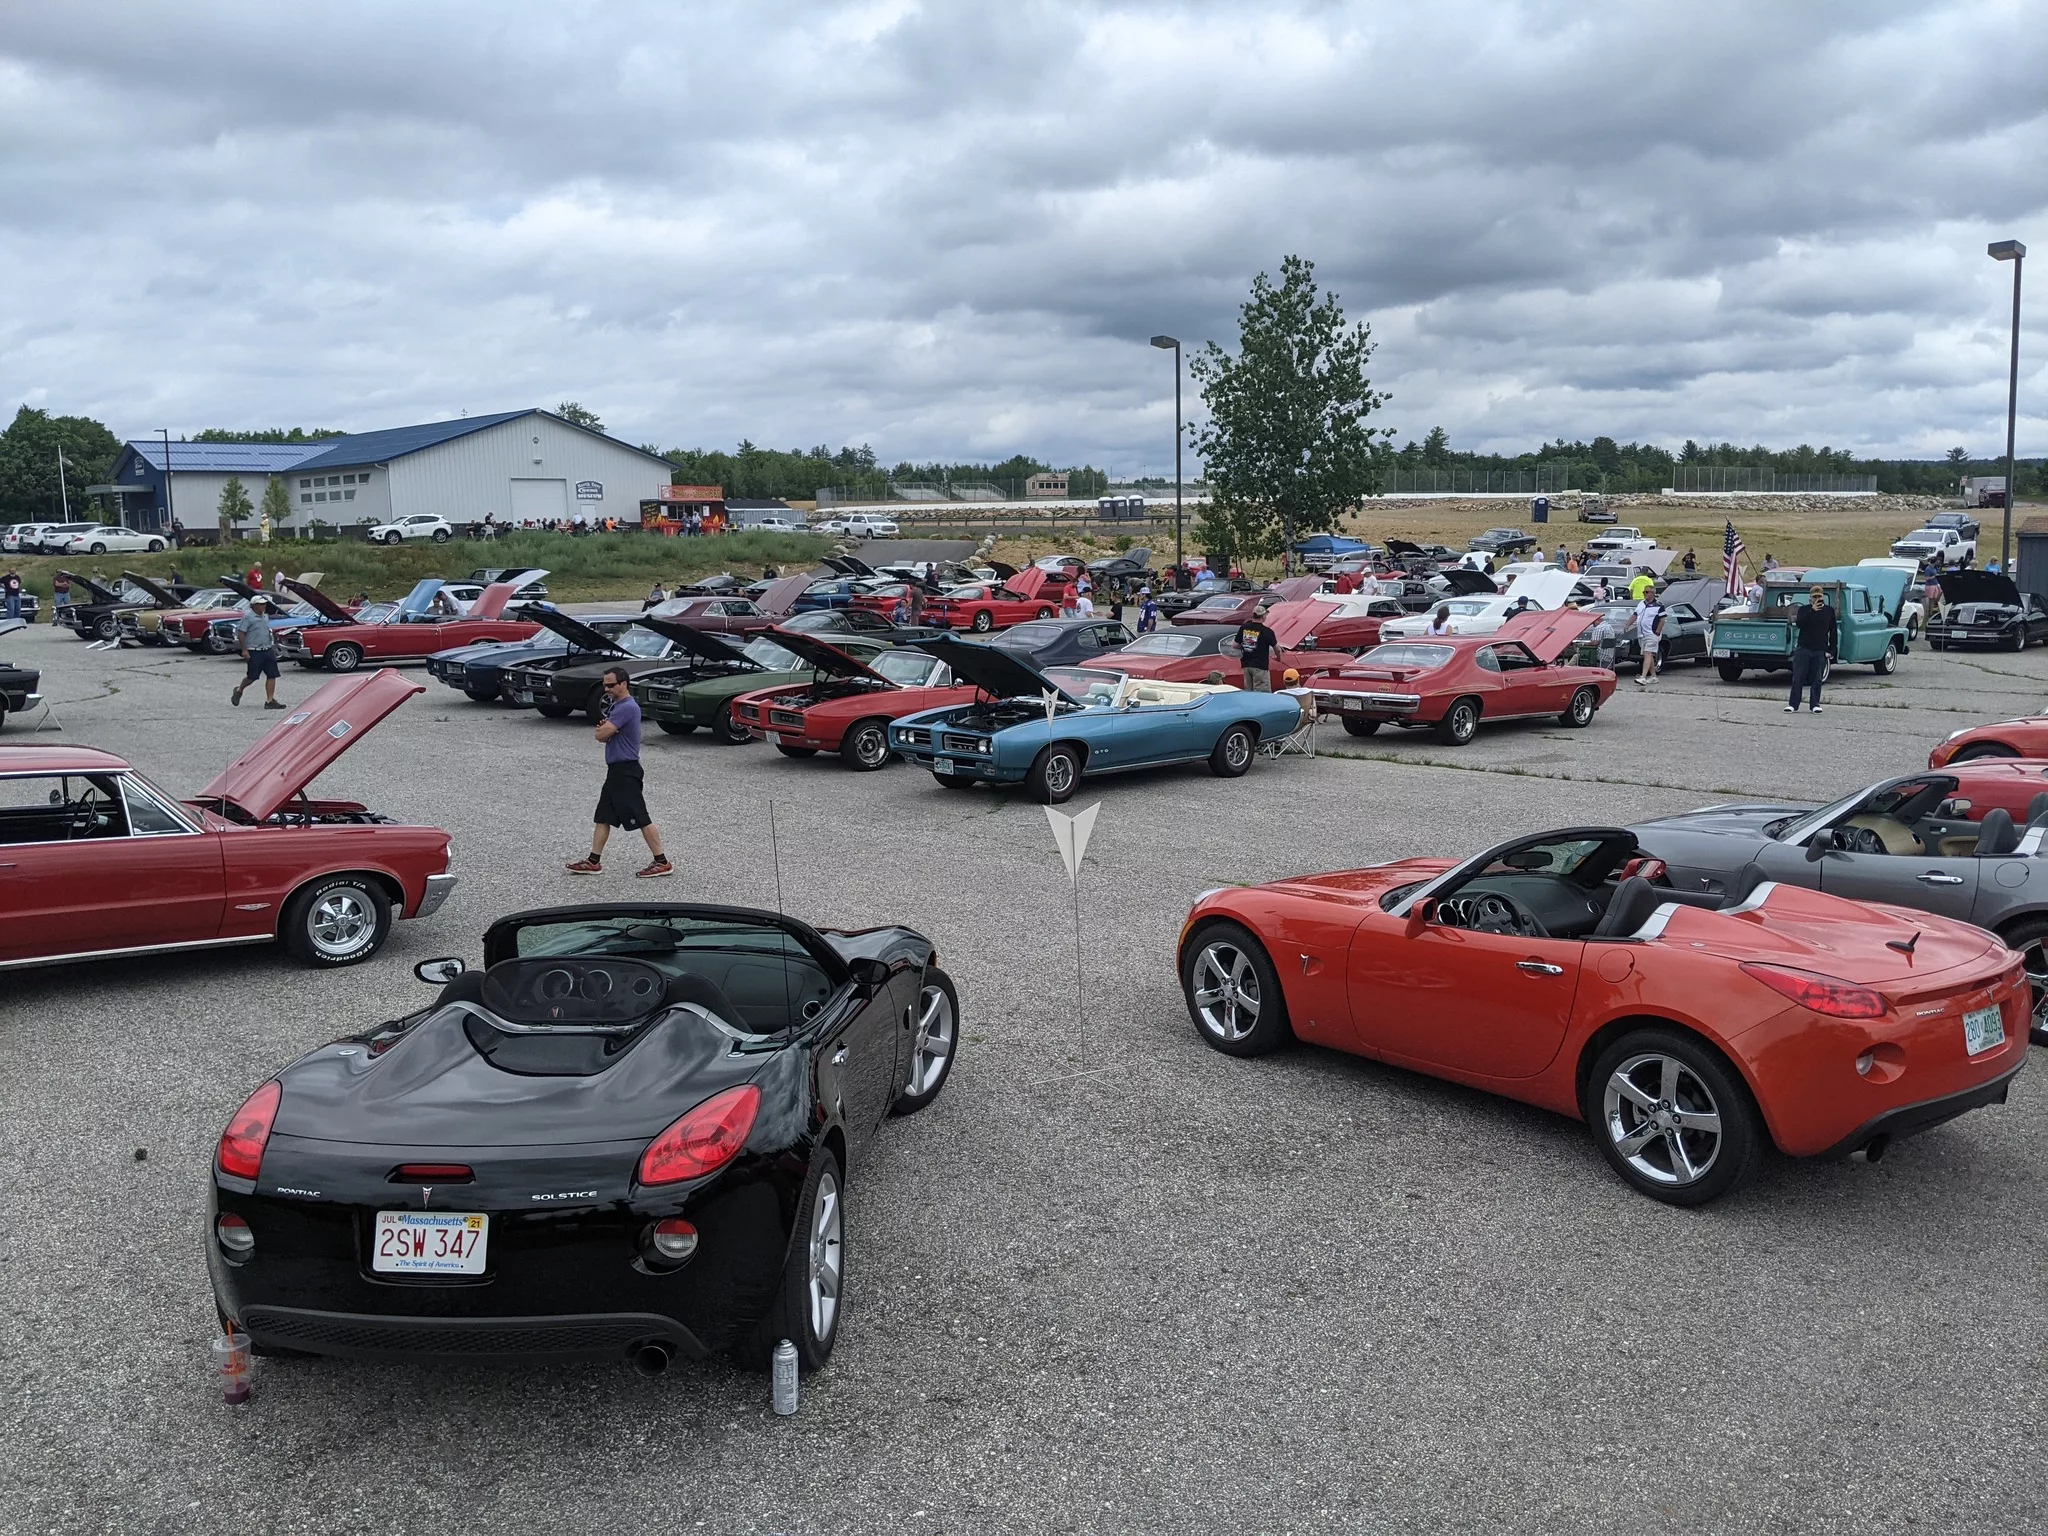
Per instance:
(454,672)
(917,736)
(785,717)
(655,695)
(953,743)
(748,711)
(291,640)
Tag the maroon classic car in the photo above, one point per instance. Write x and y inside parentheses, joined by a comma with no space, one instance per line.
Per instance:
(97,860)
(1454,682)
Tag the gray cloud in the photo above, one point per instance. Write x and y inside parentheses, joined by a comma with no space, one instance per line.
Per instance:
(948,228)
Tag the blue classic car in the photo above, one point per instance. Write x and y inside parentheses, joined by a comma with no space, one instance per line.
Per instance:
(1047,729)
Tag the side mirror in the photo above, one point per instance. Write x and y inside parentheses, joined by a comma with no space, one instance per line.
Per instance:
(439,972)
(869,972)
(1419,916)
(1817,846)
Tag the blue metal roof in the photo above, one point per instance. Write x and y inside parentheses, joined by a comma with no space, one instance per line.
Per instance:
(331,452)
(227,458)
(393,442)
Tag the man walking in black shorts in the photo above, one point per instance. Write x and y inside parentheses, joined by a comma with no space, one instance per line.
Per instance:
(622,802)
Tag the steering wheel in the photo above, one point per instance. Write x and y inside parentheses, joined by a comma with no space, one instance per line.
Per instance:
(1858,840)
(1494,913)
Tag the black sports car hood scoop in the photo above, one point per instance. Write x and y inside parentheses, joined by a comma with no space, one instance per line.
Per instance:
(434,1088)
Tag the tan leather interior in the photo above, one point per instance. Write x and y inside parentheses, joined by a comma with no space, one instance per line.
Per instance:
(1896,835)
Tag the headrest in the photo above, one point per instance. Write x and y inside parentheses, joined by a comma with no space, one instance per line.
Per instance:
(572,989)
(1628,909)
(2037,809)
(1996,834)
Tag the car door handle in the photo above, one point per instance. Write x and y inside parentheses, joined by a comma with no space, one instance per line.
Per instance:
(1931,878)
(1539,968)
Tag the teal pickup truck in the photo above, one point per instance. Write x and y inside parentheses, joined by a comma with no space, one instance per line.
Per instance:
(1866,601)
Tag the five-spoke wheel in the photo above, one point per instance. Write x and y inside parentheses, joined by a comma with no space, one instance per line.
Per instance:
(1232,993)
(1672,1117)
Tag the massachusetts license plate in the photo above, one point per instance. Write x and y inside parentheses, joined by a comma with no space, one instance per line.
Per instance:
(430,1243)
(1724,653)
(521,696)
(1983,1028)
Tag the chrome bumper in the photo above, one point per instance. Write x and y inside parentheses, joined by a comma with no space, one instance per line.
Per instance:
(1367,703)
(438,887)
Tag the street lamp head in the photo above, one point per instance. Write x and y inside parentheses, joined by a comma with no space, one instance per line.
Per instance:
(1167,343)
(2000,250)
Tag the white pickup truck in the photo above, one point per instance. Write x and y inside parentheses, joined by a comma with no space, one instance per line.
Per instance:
(1944,546)
(1619,540)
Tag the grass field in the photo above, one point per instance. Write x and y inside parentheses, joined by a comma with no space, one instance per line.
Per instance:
(596,566)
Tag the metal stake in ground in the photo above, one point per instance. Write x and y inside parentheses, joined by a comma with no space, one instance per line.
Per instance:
(1071,834)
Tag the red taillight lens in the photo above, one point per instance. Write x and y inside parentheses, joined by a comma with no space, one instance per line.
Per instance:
(241,1144)
(432,1173)
(704,1140)
(1819,994)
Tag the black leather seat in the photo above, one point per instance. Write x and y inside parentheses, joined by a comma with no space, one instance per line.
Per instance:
(1744,886)
(1996,834)
(687,987)
(1629,908)
(466,988)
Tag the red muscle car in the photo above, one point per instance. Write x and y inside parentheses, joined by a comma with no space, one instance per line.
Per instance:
(2011,784)
(405,631)
(1358,628)
(2006,738)
(732,613)
(1689,1031)
(849,709)
(1454,682)
(1030,594)
(96,860)
(1183,653)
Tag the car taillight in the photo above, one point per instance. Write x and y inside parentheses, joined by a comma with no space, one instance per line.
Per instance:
(704,1140)
(1819,994)
(241,1144)
(433,1173)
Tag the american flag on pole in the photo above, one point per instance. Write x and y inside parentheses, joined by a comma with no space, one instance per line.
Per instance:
(1731,559)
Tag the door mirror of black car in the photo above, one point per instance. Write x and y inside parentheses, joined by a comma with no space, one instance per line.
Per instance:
(439,972)
(869,972)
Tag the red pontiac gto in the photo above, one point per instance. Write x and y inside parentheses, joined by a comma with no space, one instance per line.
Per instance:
(1030,594)
(1454,682)
(2006,738)
(848,710)
(1688,1031)
(409,631)
(96,860)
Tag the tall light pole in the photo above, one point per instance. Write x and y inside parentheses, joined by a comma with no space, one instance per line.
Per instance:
(63,490)
(170,507)
(1166,342)
(2014,252)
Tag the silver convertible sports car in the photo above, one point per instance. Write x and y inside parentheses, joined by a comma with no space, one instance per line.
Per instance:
(1902,841)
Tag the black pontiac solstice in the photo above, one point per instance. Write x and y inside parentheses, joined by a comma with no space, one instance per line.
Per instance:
(627,1136)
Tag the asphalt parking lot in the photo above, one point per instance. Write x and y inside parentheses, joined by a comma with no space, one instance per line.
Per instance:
(1112,1281)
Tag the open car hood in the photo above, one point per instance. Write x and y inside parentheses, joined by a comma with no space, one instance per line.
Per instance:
(323,605)
(1549,634)
(490,603)
(1293,623)
(1296,588)
(849,565)
(164,596)
(581,636)
(99,593)
(300,747)
(782,594)
(1029,583)
(1460,582)
(703,645)
(822,655)
(1546,589)
(1978,587)
(421,597)
(1399,547)
(1005,674)
(1699,593)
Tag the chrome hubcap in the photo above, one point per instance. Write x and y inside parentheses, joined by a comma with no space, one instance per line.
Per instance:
(1059,774)
(827,1242)
(870,746)
(1237,750)
(1582,707)
(1226,991)
(339,921)
(1661,1117)
(933,1043)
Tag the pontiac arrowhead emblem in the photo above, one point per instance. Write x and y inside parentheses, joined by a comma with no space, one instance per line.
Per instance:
(426,1194)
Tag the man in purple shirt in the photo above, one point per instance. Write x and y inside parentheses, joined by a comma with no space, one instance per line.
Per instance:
(623,801)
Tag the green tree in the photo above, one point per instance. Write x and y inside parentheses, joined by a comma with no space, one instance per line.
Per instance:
(267,435)
(28,463)
(570,411)
(277,503)
(1436,448)
(1959,456)
(234,508)
(1286,449)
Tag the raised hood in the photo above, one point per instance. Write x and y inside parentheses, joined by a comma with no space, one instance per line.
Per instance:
(822,655)
(782,594)
(300,747)
(1549,634)
(490,603)
(1546,589)
(98,593)
(1464,583)
(581,636)
(1959,587)
(422,595)
(1699,593)
(1294,622)
(1296,589)
(1887,584)
(692,642)
(1028,582)
(323,605)
(1005,674)
(164,596)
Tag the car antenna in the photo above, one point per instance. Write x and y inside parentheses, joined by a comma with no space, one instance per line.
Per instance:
(775,857)
(1904,946)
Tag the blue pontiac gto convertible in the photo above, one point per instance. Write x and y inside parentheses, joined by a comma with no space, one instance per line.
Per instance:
(1046,730)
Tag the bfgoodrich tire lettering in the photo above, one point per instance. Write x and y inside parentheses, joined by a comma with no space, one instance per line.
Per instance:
(337,920)
(1672,1117)
(1232,991)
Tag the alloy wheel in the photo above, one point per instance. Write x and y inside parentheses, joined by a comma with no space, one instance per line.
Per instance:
(1662,1119)
(1237,749)
(1059,775)
(932,1042)
(1226,990)
(827,1252)
(339,921)
(2035,959)
(871,746)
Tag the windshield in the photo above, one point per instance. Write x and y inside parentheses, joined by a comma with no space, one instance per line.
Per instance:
(965,593)
(1466,607)
(906,669)
(765,652)
(376,613)
(1218,602)
(1087,684)
(1160,644)
(1029,636)
(1425,658)
(642,642)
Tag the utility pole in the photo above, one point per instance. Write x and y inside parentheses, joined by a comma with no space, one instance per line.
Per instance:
(63,491)
(170,507)
(1164,342)
(2014,252)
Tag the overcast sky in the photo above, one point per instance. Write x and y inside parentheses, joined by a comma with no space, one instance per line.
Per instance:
(947,229)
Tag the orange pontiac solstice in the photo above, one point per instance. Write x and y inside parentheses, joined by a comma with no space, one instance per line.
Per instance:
(1688,1031)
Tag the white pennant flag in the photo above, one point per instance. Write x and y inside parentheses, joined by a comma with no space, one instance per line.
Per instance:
(1051,701)
(1071,833)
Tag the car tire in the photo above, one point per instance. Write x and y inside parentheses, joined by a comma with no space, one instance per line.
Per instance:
(934,1041)
(1705,1085)
(727,731)
(1888,663)
(1731,671)
(157,546)
(1231,757)
(342,656)
(1460,723)
(1360,727)
(593,704)
(865,746)
(816,1258)
(1055,775)
(1045,613)
(1579,713)
(391,538)
(213,645)
(441,535)
(98,548)
(1221,952)
(2030,937)
(337,920)
(107,628)
(554,711)
(1983,749)
(676,727)
(788,751)
(952,781)
(1912,630)
(984,621)
(481,696)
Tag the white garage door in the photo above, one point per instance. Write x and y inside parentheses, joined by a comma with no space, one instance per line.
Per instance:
(545,500)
